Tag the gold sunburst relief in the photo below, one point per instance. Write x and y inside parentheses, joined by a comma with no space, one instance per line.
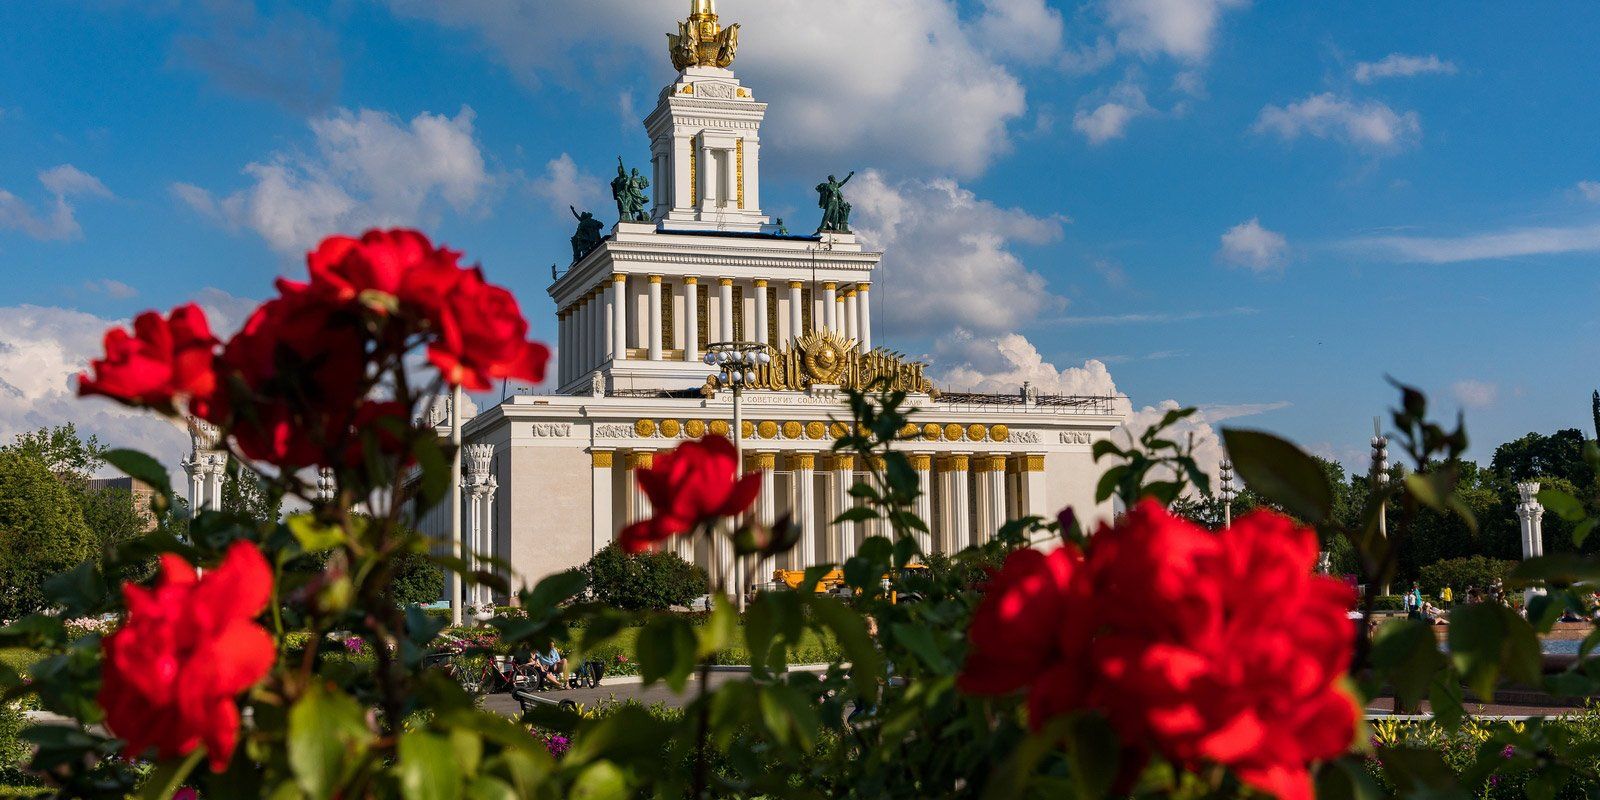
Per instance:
(828,359)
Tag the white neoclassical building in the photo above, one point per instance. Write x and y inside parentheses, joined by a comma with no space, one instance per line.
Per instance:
(549,479)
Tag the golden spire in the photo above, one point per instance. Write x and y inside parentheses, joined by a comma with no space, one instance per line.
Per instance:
(701,41)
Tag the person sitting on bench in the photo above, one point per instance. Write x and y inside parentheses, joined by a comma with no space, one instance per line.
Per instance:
(551,668)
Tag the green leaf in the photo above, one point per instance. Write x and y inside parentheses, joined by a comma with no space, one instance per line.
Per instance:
(552,592)
(1281,473)
(1108,482)
(1105,447)
(428,768)
(1562,505)
(167,776)
(601,780)
(856,514)
(720,628)
(866,663)
(1405,653)
(666,651)
(313,536)
(919,640)
(1559,569)
(328,735)
(1580,534)
(146,470)
(1488,640)
(1346,779)
(435,470)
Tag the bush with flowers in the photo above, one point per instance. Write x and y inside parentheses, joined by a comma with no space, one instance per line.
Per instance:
(1149,657)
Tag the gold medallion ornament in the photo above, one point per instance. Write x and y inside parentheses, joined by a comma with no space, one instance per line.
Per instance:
(931,431)
(977,433)
(720,427)
(768,429)
(645,428)
(908,431)
(1000,433)
(827,358)
(670,428)
(792,430)
(838,430)
(952,432)
(696,428)
(747,429)
(816,430)
(701,41)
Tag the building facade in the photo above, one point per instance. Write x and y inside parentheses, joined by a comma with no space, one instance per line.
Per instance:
(549,479)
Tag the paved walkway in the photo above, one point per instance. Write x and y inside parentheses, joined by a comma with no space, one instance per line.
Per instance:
(504,703)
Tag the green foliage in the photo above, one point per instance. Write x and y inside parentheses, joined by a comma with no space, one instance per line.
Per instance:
(13,751)
(63,451)
(1461,574)
(417,580)
(244,494)
(42,532)
(1153,466)
(652,581)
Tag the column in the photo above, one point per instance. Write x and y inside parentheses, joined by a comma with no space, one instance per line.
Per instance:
(619,316)
(864,311)
(691,319)
(960,524)
(602,327)
(760,570)
(797,319)
(489,489)
(638,501)
(604,528)
(923,464)
(761,312)
(984,525)
(802,466)
(214,478)
(850,321)
(1531,516)
(1030,484)
(877,526)
(725,303)
(843,536)
(830,312)
(655,317)
(997,495)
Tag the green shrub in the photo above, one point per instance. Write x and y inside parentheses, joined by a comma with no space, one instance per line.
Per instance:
(417,580)
(1461,573)
(42,532)
(13,750)
(643,582)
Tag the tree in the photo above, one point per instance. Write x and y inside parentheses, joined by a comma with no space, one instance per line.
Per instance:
(1595,408)
(645,581)
(244,494)
(417,581)
(63,451)
(42,531)
(1536,455)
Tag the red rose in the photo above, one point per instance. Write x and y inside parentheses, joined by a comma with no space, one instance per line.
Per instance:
(163,361)
(383,268)
(482,336)
(1204,648)
(187,648)
(688,487)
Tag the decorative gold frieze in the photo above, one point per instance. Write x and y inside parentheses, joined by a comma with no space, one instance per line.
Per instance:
(842,462)
(1032,462)
(641,459)
(921,461)
(670,428)
(826,358)
(792,430)
(977,432)
(747,429)
(1000,433)
(931,431)
(768,429)
(908,430)
(802,461)
(816,430)
(644,428)
(696,428)
(985,464)
(603,459)
(952,432)
(720,427)
(694,165)
(952,463)
(739,170)
(766,461)
(838,430)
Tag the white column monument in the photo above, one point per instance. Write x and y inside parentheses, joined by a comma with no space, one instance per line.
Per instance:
(1531,514)
(802,466)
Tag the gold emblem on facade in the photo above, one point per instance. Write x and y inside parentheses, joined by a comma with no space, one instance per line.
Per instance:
(720,427)
(747,429)
(931,431)
(838,430)
(952,432)
(644,428)
(1000,433)
(670,428)
(826,358)
(977,433)
(792,430)
(696,428)
(768,429)
(815,430)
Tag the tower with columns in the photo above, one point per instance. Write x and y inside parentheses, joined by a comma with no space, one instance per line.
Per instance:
(635,316)
(206,467)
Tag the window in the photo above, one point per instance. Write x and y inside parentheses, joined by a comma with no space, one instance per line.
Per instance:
(805,312)
(738,313)
(669,332)
(772,316)
(702,302)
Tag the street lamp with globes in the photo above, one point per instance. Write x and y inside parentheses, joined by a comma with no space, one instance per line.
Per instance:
(1228,493)
(738,362)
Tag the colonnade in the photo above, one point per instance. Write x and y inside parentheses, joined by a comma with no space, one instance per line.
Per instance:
(965,499)
(659,317)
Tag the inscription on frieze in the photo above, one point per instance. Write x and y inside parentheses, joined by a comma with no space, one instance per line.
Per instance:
(1076,437)
(550,430)
(614,432)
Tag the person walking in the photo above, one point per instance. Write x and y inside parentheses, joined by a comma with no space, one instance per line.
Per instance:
(1446,597)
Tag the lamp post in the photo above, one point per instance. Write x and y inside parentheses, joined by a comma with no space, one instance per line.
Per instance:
(1228,493)
(738,362)
(1380,479)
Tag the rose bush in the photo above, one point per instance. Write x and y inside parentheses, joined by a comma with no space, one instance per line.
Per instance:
(690,486)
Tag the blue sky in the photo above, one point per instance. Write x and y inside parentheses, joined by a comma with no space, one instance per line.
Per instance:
(1259,208)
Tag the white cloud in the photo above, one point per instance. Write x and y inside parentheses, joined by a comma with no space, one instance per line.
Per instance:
(1474,393)
(1590,190)
(845,79)
(60,222)
(369,169)
(1399,65)
(1221,412)
(1510,243)
(1160,318)
(1110,119)
(1182,29)
(1370,125)
(1022,30)
(563,185)
(1255,248)
(949,261)
(965,362)
(1199,428)
(109,287)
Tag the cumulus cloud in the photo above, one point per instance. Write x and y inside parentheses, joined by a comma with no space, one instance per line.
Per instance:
(1474,393)
(59,222)
(114,289)
(845,78)
(1199,428)
(1508,243)
(966,362)
(1022,30)
(1400,65)
(1181,29)
(1109,119)
(949,258)
(1255,248)
(1371,126)
(563,185)
(368,169)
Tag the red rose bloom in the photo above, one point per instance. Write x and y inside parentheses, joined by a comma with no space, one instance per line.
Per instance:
(384,267)
(1204,648)
(187,648)
(692,485)
(482,337)
(164,360)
